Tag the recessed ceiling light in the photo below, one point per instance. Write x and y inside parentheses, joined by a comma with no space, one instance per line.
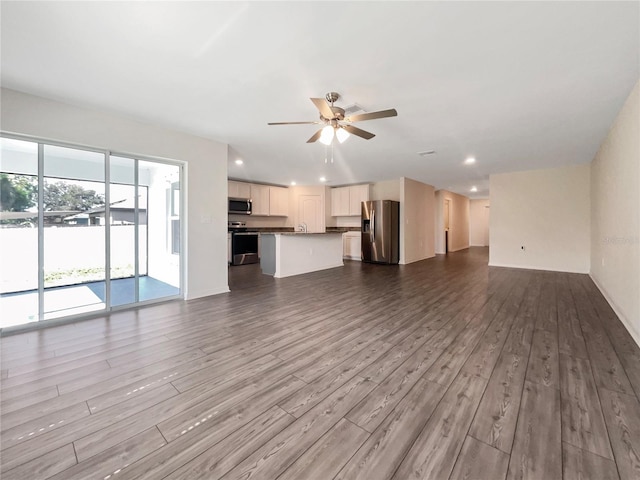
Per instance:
(323,179)
(474,189)
(239,162)
(470,161)
(293,183)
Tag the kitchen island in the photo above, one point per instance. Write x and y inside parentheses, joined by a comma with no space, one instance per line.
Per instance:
(287,254)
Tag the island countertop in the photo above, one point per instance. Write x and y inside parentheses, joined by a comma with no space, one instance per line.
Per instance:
(288,253)
(301,233)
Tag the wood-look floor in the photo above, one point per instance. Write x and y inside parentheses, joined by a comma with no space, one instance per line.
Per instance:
(443,369)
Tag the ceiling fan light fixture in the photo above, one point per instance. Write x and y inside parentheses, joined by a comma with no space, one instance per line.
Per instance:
(326,137)
(342,134)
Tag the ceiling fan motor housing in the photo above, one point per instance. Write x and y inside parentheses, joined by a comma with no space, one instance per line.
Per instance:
(332,97)
(338,114)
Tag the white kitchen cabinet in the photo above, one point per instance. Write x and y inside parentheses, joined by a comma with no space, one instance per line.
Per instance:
(357,195)
(278,201)
(340,202)
(260,199)
(345,201)
(351,243)
(238,189)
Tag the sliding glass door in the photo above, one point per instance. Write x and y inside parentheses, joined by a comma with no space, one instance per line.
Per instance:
(84,230)
(159,234)
(73,235)
(19,232)
(124,201)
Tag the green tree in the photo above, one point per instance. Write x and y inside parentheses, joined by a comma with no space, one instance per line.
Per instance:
(17,192)
(68,196)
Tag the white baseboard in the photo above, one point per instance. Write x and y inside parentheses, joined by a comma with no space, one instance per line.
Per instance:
(625,321)
(530,267)
(417,260)
(191,295)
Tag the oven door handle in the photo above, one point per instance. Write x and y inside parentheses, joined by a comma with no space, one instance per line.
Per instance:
(246,233)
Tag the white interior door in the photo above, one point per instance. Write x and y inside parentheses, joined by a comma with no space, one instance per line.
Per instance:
(310,212)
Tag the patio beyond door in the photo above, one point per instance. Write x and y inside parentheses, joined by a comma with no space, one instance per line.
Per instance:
(84,231)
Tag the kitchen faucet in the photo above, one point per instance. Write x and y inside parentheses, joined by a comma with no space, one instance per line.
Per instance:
(302,227)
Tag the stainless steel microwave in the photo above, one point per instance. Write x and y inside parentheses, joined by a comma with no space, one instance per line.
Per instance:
(240,206)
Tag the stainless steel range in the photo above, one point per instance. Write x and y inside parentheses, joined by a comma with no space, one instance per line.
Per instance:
(244,244)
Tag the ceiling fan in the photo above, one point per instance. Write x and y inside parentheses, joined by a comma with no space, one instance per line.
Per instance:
(335,123)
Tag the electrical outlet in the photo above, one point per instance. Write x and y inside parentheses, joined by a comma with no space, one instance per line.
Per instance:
(603,261)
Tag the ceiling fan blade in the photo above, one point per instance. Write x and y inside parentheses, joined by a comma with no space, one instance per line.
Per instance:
(322,105)
(372,115)
(358,132)
(292,123)
(315,136)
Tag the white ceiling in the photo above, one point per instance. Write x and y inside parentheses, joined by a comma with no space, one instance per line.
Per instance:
(517,85)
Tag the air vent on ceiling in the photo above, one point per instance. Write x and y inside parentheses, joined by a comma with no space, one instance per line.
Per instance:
(352,109)
(426,152)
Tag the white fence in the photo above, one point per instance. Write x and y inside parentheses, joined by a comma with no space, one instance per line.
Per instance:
(66,249)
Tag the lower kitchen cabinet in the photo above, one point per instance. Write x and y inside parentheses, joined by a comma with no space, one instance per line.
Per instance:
(351,245)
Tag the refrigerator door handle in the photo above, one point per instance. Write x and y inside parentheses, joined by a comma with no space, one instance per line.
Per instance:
(373,226)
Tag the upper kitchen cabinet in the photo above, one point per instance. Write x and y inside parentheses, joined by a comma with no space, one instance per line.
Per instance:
(345,201)
(260,199)
(238,189)
(278,202)
(357,195)
(340,202)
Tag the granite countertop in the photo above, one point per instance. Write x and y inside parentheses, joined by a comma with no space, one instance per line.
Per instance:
(270,229)
(303,233)
(343,229)
(289,230)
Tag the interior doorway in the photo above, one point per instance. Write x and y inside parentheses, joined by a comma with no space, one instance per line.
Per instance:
(446,214)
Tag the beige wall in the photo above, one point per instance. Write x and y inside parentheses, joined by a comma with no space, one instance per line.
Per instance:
(547,212)
(615,215)
(417,211)
(458,221)
(386,190)
(205,172)
(479,213)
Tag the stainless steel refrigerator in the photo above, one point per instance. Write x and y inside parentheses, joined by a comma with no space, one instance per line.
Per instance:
(381,231)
